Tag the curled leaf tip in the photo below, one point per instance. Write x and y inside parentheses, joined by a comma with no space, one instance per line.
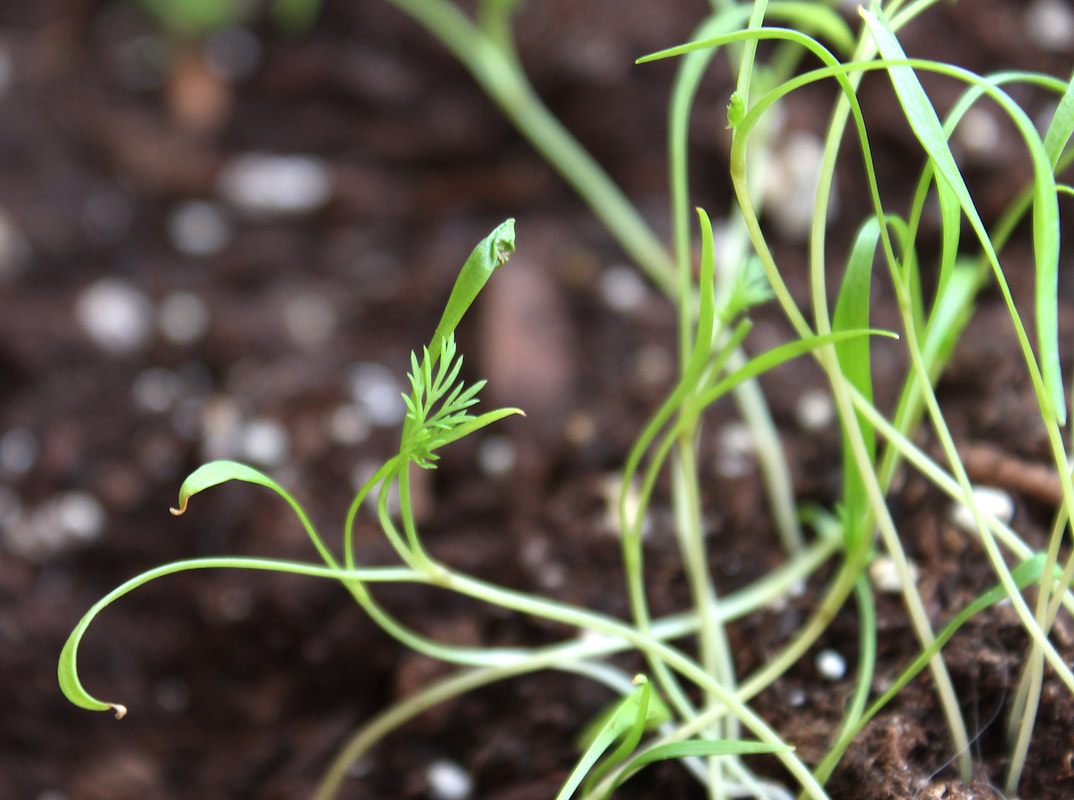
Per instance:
(178,512)
(503,242)
(121,711)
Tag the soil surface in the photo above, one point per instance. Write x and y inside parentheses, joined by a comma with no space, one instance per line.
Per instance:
(148,322)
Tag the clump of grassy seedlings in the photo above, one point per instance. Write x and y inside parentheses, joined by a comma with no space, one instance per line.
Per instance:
(713,312)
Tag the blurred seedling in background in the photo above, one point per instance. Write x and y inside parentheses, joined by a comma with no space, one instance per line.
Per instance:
(208,44)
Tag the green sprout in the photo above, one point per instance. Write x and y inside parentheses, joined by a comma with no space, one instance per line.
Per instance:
(692,704)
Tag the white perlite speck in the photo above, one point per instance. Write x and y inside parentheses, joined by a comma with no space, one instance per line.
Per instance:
(621,288)
(1050,24)
(978,131)
(989,500)
(884,574)
(347,425)
(831,665)
(199,228)
(375,391)
(117,317)
(183,318)
(735,450)
(497,456)
(265,442)
(63,522)
(790,182)
(309,319)
(448,781)
(814,410)
(261,185)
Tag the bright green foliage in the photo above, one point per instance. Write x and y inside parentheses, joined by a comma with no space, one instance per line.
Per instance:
(693,704)
(491,253)
(431,427)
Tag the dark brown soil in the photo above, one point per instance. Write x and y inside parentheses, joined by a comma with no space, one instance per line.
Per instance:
(243,685)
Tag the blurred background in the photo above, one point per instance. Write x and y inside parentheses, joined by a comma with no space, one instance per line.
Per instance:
(223,228)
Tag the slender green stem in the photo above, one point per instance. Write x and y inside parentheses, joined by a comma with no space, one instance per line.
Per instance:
(499,75)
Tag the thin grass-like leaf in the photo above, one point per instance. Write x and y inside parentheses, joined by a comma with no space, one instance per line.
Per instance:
(929,131)
(627,718)
(695,749)
(67,671)
(852,312)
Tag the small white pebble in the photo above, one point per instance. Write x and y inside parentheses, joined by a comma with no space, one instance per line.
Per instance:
(117,317)
(988,500)
(622,288)
(81,515)
(885,575)
(448,781)
(172,694)
(978,131)
(1050,24)
(232,53)
(18,451)
(790,183)
(375,391)
(61,523)
(735,450)
(796,698)
(199,228)
(497,456)
(814,410)
(262,185)
(265,442)
(347,425)
(156,389)
(310,319)
(611,490)
(183,318)
(831,665)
